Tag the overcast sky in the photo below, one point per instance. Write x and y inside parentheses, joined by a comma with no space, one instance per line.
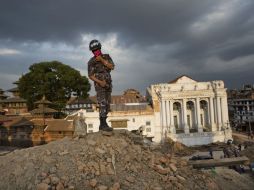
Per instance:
(150,41)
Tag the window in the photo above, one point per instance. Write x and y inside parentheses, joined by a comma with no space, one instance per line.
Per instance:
(90,131)
(22,136)
(148,123)
(201,117)
(90,125)
(133,120)
(148,129)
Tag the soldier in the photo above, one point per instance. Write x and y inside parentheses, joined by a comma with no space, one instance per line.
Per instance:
(99,68)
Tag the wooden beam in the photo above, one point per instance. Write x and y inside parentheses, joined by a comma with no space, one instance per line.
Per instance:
(219,162)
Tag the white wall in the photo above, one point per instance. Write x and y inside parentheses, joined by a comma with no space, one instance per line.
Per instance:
(141,119)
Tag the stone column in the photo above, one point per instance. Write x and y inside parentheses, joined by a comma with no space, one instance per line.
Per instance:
(168,113)
(218,112)
(224,109)
(184,113)
(164,116)
(212,124)
(161,118)
(172,125)
(199,126)
(222,113)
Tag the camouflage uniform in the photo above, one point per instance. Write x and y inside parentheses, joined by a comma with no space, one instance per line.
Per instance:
(101,72)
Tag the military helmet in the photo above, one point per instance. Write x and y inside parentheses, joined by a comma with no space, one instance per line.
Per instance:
(94,45)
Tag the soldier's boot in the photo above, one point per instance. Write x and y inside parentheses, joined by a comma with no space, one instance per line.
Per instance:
(101,124)
(105,126)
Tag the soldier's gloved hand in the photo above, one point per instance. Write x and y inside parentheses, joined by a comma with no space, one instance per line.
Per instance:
(99,58)
(102,83)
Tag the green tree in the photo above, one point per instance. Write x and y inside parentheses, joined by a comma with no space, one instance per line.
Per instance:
(57,81)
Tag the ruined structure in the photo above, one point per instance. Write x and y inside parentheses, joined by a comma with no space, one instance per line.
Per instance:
(241,108)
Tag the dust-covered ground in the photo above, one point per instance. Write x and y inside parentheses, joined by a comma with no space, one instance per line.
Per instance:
(113,161)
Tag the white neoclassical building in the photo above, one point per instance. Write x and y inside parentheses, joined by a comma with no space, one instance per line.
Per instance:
(191,112)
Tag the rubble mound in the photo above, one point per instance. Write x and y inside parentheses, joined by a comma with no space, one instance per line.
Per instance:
(176,148)
(249,151)
(103,161)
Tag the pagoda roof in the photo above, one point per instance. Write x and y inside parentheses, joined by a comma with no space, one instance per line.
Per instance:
(2,95)
(3,118)
(22,122)
(13,100)
(16,82)
(16,89)
(43,110)
(43,101)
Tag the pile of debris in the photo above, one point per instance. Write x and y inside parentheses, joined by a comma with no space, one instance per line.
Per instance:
(112,161)
(249,150)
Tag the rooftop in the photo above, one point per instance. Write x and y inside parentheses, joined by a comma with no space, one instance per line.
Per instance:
(43,101)
(41,110)
(13,100)
(80,100)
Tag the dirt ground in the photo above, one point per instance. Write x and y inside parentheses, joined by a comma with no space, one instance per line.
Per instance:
(111,161)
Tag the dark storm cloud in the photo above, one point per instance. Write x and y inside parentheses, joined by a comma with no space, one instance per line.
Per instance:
(237,51)
(145,21)
(161,39)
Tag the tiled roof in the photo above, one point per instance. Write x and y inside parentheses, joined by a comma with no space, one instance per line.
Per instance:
(3,118)
(22,122)
(123,99)
(43,101)
(59,125)
(17,121)
(80,100)
(123,107)
(51,124)
(13,89)
(43,110)
(13,100)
